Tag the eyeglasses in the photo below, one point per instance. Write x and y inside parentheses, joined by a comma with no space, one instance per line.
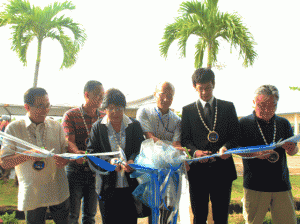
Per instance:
(165,95)
(115,109)
(42,106)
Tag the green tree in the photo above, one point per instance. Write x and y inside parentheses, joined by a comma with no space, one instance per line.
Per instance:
(29,22)
(206,22)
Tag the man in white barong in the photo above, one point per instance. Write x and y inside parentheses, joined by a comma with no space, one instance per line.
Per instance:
(42,182)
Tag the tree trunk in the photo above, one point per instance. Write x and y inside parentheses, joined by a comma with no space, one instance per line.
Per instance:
(209,56)
(37,64)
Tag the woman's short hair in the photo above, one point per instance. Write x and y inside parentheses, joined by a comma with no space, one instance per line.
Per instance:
(30,94)
(115,97)
(203,75)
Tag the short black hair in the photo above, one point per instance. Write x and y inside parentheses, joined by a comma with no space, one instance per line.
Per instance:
(203,75)
(91,85)
(115,97)
(30,94)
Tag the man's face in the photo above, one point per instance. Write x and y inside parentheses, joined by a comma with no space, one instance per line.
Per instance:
(39,110)
(164,97)
(265,107)
(205,90)
(95,97)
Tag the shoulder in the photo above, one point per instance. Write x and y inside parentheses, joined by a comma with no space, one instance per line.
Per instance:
(135,122)
(15,125)
(247,119)
(72,112)
(53,124)
(225,103)
(189,106)
(174,116)
(145,109)
(281,120)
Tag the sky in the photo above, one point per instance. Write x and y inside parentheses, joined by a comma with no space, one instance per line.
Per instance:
(122,51)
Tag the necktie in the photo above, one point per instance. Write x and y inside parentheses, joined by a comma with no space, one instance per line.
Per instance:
(208,115)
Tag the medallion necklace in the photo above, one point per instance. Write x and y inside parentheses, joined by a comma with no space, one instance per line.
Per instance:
(212,134)
(274,156)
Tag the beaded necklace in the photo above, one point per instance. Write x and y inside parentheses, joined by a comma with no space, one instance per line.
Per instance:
(274,156)
(262,134)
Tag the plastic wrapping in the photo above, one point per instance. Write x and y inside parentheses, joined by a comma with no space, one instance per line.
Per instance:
(159,171)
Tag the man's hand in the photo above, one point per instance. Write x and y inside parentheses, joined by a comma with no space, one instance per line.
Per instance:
(60,162)
(82,159)
(290,148)
(264,154)
(200,153)
(126,167)
(115,163)
(221,151)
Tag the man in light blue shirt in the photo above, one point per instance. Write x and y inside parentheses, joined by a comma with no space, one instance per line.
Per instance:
(160,122)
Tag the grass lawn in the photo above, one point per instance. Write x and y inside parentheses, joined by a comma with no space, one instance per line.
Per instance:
(8,197)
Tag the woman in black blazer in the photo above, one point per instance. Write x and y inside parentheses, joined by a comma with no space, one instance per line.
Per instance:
(112,132)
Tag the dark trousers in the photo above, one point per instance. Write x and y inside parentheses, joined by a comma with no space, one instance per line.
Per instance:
(117,206)
(82,186)
(60,214)
(219,192)
(164,216)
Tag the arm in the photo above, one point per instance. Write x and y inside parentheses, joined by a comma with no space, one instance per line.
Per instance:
(9,157)
(145,122)
(186,136)
(69,129)
(11,161)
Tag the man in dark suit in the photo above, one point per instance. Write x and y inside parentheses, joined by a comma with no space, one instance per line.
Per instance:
(209,125)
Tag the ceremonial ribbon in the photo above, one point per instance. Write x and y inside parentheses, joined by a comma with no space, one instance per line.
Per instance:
(153,181)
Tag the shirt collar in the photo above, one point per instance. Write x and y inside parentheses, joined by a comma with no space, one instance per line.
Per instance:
(210,101)
(126,120)
(264,121)
(158,110)
(85,114)
(28,122)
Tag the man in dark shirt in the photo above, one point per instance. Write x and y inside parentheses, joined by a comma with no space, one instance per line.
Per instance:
(266,181)
(77,125)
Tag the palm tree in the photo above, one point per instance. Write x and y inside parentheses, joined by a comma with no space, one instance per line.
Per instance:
(210,25)
(33,22)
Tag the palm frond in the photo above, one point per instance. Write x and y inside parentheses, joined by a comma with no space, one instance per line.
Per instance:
(70,49)
(53,10)
(170,35)
(79,33)
(238,35)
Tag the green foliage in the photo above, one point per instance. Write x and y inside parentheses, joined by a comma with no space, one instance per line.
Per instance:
(294,88)
(9,218)
(29,22)
(206,22)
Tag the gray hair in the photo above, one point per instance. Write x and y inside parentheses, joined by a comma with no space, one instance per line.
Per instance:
(267,90)
(159,85)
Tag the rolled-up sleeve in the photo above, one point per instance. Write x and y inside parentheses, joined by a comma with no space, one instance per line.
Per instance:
(143,116)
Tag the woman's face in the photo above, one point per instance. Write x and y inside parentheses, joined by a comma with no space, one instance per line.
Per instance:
(114,113)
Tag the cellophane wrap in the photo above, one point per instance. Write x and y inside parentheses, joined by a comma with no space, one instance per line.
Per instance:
(159,172)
